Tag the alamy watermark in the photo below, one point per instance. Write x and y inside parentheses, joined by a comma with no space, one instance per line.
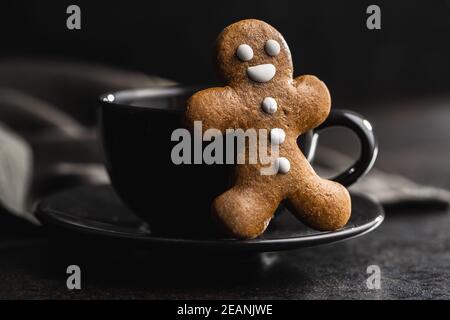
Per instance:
(189,149)
(73,21)
(373,22)
(74,279)
(373,282)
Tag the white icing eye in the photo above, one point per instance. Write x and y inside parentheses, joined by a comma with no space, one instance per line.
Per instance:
(244,52)
(272,48)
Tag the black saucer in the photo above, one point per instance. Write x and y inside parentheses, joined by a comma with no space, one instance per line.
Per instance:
(97,211)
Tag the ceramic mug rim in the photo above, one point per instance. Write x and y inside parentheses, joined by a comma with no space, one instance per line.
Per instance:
(120,97)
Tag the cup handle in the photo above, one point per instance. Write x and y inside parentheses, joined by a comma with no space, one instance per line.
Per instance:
(369,145)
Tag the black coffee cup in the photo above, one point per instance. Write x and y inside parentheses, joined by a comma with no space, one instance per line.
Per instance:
(136,128)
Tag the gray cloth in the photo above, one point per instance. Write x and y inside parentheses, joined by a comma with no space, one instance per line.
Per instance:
(16,167)
(47,140)
(391,189)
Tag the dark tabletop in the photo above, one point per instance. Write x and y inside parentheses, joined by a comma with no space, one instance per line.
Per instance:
(411,248)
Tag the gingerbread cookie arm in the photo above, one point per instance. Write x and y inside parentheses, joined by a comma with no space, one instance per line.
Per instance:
(217,108)
(315,102)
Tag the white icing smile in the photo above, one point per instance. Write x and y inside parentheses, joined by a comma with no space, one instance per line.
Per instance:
(261,72)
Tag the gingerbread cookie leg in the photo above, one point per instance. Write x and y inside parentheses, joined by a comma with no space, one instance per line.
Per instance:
(321,204)
(245,212)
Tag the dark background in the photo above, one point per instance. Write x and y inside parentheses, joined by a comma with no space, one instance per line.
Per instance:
(409,56)
(398,77)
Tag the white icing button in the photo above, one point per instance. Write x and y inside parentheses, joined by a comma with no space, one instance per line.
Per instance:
(277,136)
(261,72)
(283,165)
(272,48)
(269,105)
(244,52)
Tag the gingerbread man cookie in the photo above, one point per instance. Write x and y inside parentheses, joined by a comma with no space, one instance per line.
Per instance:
(255,62)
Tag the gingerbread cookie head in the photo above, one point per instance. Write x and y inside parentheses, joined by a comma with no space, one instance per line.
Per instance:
(252,50)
